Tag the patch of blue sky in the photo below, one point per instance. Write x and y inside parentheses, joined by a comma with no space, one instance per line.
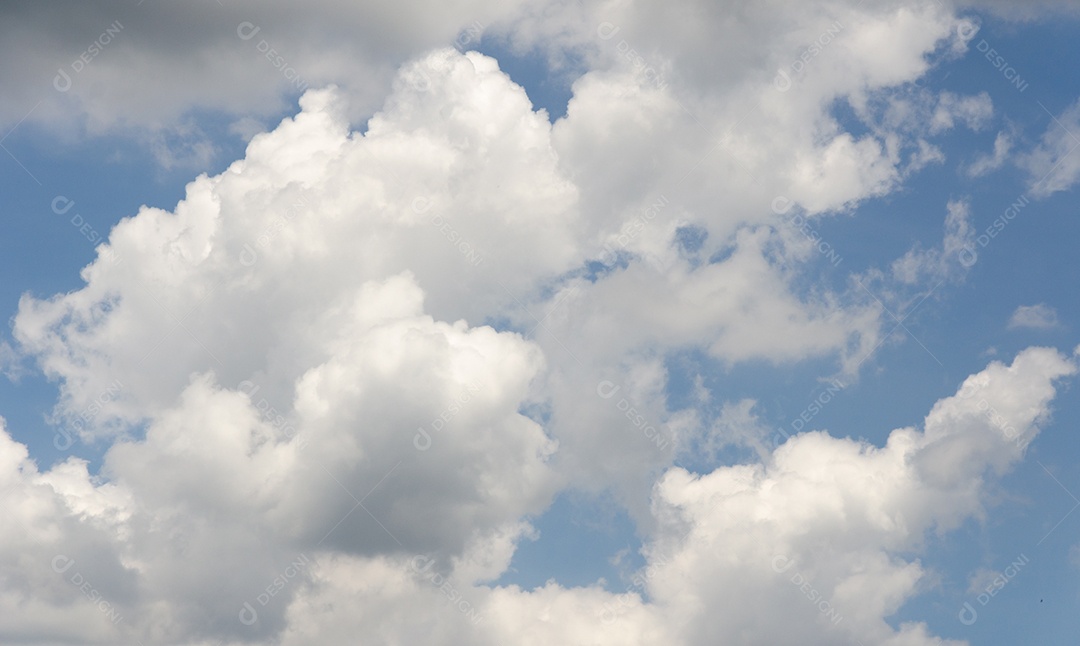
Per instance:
(583,539)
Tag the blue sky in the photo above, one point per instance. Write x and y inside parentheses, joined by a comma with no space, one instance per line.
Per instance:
(359,322)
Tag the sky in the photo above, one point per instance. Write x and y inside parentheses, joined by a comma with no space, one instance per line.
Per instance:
(539,322)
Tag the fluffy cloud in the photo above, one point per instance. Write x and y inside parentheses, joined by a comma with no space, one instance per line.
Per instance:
(838,515)
(461,184)
(410,442)
(821,533)
(350,368)
(247,246)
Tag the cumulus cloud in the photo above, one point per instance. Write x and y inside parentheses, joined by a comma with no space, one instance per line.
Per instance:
(353,366)
(839,517)
(246,246)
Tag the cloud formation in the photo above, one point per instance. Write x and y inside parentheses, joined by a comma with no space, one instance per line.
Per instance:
(337,383)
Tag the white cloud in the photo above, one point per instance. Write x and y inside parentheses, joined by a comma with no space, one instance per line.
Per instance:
(222,482)
(203,494)
(935,265)
(308,377)
(248,245)
(987,163)
(973,111)
(1040,317)
(10,362)
(470,191)
(1054,165)
(841,514)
